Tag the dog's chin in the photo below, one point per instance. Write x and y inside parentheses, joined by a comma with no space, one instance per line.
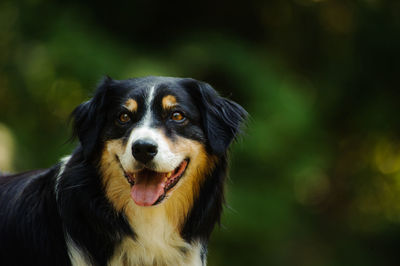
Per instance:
(149,187)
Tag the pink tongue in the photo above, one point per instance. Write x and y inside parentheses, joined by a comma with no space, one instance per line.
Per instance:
(149,186)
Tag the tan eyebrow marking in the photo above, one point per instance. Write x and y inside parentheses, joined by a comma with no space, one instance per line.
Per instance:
(131,105)
(168,101)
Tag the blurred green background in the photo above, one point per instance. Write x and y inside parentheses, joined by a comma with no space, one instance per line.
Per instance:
(316,178)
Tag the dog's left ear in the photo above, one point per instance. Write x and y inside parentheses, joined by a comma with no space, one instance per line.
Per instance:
(88,121)
(222,118)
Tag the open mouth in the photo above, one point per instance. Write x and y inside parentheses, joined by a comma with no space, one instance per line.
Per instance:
(150,187)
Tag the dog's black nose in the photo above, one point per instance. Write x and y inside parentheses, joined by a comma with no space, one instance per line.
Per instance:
(144,150)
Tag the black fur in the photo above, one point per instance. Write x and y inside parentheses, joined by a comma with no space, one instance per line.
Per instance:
(31,230)
(222,118)
(89,219)
(38,209)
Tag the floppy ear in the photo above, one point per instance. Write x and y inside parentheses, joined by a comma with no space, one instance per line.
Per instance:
(87,121)
(222,118)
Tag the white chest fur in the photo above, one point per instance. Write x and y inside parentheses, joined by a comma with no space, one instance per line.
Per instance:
(150,249)
(156,243)
(137,252)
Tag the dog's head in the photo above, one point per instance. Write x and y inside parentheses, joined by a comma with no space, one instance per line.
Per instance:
(155,138)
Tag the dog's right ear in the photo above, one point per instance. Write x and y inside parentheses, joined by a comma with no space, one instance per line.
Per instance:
(88,121)
(221,118)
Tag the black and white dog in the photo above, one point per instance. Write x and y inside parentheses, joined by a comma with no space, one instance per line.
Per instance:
(144,187)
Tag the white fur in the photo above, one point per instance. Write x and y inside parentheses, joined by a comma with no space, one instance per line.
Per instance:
(64,162)
(147,117)
(157,242)
(76,255)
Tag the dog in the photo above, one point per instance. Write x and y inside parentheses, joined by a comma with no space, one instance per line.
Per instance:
(144,186)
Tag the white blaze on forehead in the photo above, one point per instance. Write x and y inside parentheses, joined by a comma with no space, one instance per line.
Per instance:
(165,160)
(146,121)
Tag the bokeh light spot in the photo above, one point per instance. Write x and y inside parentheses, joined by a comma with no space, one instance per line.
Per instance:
(7,148)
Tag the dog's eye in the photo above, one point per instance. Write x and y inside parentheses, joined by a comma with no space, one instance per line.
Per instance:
(124,118)
(177,116)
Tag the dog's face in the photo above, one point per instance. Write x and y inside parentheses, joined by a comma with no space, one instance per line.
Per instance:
(155,138)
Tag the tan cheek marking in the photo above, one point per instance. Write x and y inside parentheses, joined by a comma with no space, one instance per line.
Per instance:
(116,186)
(201,164)
(168,101)
(131,105)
